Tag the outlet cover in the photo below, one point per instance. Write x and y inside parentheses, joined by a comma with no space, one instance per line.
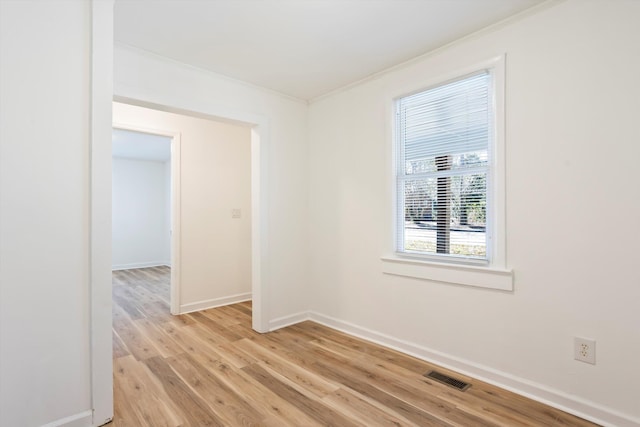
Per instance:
(584,350)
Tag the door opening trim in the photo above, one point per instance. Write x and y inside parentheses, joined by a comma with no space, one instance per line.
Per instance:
(175,206)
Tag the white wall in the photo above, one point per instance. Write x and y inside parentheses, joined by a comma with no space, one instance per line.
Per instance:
(283,121)
(572,201)
(141,212)
(44,208)
(215,178)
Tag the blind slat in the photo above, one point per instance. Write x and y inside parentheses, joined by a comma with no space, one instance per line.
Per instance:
(450,119)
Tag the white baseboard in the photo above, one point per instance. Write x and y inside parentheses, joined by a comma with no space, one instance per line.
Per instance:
(140,265)
(215,302)
(83,419)
(572,404)
(285,321)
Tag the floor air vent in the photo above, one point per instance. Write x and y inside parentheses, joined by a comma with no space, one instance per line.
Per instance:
(446,379)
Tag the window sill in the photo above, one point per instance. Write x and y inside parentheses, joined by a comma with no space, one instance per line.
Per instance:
(481,277)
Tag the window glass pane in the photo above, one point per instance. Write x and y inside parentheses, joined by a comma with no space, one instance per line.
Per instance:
(446,215)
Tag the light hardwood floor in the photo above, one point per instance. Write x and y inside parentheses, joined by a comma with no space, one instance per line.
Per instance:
(211,369)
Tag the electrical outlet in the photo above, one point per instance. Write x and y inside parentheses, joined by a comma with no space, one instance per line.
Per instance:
(584,350)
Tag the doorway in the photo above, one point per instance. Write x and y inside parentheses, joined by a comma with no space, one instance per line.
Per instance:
(101,241)
(145,227)
(213,193)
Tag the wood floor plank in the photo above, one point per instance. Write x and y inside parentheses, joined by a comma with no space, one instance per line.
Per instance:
(224,402)
(191,343)
(119,348)
(235,355)
(194,409)
(144,395)
(162,341)
(119,317)
(219,317)
(180,320)
(261,397)
(310,381)
(242,308)
(136,342)
(214,327)
(370,413)
(310,407)
(211,368)
(232,314)
(122,298)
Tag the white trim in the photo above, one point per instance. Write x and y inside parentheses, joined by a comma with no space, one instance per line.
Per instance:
(282,322)
(571,404)
(176,222)
(468,275)
(83,419)
(259,248)
(135,265)
(215,302)
(99,211)
(498,177)
(260,286)
(176,217)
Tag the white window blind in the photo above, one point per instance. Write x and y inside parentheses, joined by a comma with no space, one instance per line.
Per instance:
(443,167)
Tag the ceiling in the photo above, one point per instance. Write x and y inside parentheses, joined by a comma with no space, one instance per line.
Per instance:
(140,146)
(302,48)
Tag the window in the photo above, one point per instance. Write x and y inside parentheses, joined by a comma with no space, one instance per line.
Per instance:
(445,160)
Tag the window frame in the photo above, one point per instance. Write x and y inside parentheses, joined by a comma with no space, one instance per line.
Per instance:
(466,270)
